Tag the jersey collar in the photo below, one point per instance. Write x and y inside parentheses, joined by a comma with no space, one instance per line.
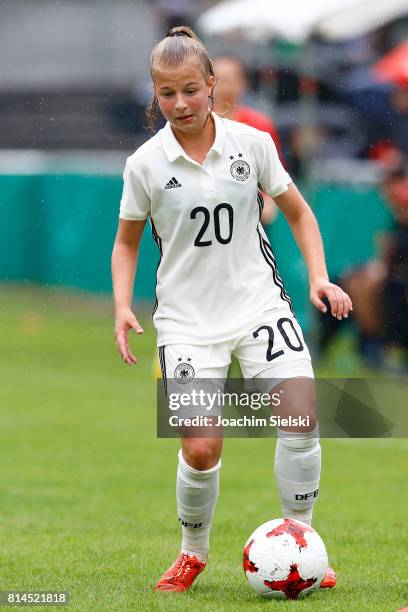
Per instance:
(173,148)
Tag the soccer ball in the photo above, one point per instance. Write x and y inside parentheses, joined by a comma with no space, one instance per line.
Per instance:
(285,559)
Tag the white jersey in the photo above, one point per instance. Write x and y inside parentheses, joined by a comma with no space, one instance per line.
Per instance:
(217,273)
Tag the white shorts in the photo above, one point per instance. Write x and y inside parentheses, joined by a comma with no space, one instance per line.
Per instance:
(268,353)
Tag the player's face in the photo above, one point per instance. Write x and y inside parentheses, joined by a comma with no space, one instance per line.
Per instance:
(182,93)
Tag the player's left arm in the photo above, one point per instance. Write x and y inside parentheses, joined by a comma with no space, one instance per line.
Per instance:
(306,231)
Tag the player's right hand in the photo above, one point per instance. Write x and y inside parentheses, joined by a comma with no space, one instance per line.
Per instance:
(124,321)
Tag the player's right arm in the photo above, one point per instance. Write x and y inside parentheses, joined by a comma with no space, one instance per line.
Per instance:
(124,263)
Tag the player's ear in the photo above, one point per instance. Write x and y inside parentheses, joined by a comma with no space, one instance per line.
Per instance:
(210,90)
(210,84)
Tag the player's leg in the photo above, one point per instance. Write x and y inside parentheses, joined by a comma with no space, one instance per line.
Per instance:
(298,455)
(275,355)
(197,484)
(197,491)
(298,452)
(276,358)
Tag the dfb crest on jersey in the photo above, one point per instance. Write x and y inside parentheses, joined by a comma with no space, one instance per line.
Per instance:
(240,170)
(184,372)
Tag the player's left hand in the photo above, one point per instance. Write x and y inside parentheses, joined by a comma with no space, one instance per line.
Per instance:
(340,303)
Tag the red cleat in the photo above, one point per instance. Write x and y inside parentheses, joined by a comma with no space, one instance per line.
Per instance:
(181,575)
(329,581)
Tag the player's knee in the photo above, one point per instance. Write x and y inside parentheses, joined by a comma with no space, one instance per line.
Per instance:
(299,404)
(202,454)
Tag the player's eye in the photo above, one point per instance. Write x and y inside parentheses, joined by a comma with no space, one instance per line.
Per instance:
(167,94)
(191,91)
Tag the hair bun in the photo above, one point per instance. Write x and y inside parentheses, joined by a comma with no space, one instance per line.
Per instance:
(178,31)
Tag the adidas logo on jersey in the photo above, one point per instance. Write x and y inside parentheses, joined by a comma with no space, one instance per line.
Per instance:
(172,184)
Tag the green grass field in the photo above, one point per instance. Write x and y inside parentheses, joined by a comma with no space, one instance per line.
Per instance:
(87,490)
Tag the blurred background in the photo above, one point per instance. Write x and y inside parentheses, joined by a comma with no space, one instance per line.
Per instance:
(328,80)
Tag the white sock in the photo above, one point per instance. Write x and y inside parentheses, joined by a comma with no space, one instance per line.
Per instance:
(197,492)
(297,471)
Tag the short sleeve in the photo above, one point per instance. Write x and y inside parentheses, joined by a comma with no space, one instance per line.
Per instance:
(135,202)
(273,178)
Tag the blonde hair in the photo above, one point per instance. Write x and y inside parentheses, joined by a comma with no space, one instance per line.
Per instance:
(178,44)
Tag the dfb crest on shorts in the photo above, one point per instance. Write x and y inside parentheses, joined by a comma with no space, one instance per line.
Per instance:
(184,372)
(240,170)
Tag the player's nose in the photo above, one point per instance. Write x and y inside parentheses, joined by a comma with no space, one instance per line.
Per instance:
(180,102)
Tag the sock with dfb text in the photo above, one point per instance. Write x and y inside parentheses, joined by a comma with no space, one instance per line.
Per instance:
(297,471)
(197,493)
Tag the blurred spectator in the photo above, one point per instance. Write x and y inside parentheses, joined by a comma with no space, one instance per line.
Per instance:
(398,123)
(390,129)
(306,143)
(395,292)
(231,86)
(379,289)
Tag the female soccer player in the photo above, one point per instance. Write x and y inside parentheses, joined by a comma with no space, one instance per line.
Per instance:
(218,290)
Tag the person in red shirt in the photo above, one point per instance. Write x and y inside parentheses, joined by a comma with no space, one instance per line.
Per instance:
(231,86)
(261,121)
